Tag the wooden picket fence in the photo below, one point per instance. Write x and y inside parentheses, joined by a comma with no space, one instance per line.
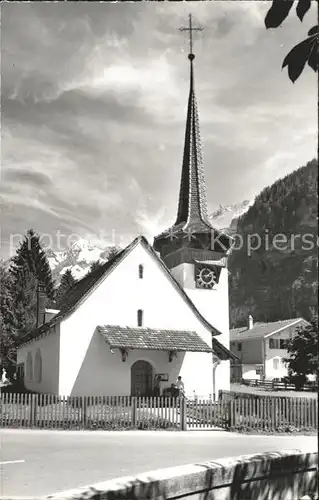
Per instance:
(272,413)
(55,412)
(58,412)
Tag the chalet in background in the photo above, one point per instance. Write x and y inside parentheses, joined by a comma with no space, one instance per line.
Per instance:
(261,347)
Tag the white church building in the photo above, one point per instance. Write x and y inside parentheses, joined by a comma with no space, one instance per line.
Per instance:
(158,309)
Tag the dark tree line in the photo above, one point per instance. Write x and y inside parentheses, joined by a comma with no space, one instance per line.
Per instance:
(278,281)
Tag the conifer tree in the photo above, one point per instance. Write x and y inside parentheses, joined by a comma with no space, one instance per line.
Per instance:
(66,283)
(8,323)
(29,267)
(95,265)
(112,253)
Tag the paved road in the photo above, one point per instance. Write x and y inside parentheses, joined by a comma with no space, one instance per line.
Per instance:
(57,460)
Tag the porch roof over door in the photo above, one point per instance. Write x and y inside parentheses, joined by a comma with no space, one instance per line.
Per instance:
(151,338)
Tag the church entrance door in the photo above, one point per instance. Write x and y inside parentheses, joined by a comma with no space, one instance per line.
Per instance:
(141,378)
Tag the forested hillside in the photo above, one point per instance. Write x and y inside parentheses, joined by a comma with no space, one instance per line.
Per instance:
(279,279)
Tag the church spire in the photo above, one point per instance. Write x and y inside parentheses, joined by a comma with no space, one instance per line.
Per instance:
(192,207)
(192,220)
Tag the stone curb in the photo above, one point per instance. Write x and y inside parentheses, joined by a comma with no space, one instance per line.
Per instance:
(192,479)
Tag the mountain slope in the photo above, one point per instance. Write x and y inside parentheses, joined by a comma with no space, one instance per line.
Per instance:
(226,217)
(279,279)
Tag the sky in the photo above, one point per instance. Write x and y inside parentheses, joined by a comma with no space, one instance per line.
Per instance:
(93,113)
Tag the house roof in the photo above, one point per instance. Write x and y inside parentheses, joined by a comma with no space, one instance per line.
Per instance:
(223,353)
(171,340)
(151,338)
(261,330)
(89,283)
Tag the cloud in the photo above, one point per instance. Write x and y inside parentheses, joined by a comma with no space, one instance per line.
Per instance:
(94,100)
(36,179)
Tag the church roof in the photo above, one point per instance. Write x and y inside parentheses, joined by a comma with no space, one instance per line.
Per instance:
(151,338)
(261,330)
(192,214)
(155,339)
(83,288)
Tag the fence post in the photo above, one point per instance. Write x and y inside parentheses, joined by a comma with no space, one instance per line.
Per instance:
(3,400)
(33,409)
(229,414)
(84,411)
(232,412)
(134,412)
(183,419)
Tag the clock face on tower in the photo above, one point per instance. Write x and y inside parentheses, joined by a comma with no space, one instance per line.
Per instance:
(205,277)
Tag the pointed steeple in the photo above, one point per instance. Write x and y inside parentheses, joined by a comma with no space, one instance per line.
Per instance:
(192,221)
(192,207)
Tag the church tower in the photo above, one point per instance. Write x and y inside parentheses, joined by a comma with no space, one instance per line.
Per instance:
(193,250)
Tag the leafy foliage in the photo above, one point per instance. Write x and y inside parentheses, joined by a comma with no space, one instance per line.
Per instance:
(29,267)
(304,52)
(278,282)
(278,13)
(303,352)
(66,283)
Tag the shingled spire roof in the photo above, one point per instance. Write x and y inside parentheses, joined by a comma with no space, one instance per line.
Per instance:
(192,207)
(192,214)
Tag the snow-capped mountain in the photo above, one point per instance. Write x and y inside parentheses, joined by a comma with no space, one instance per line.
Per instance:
(78,257)
(226,217)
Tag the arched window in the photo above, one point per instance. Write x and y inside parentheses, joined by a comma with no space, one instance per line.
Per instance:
(140,271)
(140,317)
(29,367)
(37,375)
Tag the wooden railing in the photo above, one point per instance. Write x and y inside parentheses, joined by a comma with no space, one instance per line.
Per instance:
(254,412)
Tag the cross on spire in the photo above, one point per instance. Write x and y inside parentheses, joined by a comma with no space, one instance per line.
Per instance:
(191,29)
(192,220)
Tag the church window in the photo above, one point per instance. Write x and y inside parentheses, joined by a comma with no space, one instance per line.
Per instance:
(38,366)
(29,367)
(140,271)
(20,371)
(140,317)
